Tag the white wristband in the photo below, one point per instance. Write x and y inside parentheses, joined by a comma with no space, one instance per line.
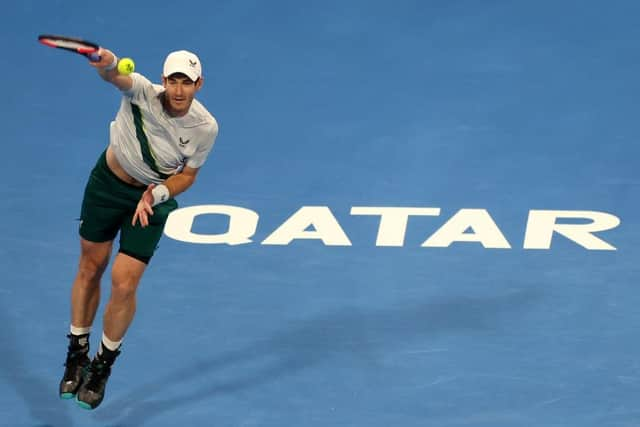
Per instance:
(113,64)
(160,194)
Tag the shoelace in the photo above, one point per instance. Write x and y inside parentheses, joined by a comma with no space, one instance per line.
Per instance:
(74,352)
(74,355)
(97,371)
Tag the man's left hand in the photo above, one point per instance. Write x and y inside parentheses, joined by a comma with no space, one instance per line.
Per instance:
(144,209)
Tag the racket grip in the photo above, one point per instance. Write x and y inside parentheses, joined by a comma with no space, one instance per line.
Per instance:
(94,57)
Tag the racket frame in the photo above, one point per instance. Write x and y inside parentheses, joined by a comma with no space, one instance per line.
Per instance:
(71,44)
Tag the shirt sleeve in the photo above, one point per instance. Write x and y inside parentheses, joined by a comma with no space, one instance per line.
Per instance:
(141,90)
(204,148)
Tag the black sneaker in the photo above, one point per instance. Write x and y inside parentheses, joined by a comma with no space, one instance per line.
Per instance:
(77,360)
(92,389)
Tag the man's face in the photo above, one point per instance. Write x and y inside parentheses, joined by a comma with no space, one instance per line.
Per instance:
(179,93)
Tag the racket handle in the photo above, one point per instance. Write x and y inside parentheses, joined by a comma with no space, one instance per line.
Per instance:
(94,57)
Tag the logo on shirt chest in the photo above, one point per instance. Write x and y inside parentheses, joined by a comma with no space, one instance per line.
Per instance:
(183,143)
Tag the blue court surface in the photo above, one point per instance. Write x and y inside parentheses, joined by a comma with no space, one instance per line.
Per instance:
(417,213)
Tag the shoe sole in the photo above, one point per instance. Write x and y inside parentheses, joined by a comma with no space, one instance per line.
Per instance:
(83,405)
(67,396)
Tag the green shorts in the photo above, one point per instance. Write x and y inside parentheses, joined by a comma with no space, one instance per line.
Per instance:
(108,207)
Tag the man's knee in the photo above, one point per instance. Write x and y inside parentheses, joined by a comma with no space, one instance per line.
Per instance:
(90,273)
(125,276)
(93,261)
(124,288)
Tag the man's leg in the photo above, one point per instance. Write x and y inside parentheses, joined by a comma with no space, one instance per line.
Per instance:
(85,293)
(137,246)
(126,274)
(85,297)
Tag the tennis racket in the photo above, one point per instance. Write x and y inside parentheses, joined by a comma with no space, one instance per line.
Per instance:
(71,44)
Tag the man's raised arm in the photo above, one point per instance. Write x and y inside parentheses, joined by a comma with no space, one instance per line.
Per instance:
(108,69)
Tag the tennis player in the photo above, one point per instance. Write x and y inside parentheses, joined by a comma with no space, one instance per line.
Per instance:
(160,138)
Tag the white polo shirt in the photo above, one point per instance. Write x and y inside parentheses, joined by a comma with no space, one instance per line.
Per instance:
(149,144)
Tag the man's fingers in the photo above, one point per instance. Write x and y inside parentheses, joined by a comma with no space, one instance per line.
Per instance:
(148,209)
(141,214)
(144,219)
(143,210)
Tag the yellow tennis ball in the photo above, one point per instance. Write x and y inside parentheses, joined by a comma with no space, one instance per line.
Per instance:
(126,66)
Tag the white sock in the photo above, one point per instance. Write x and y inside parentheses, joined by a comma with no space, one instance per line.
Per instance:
(110,345)
(79,331)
